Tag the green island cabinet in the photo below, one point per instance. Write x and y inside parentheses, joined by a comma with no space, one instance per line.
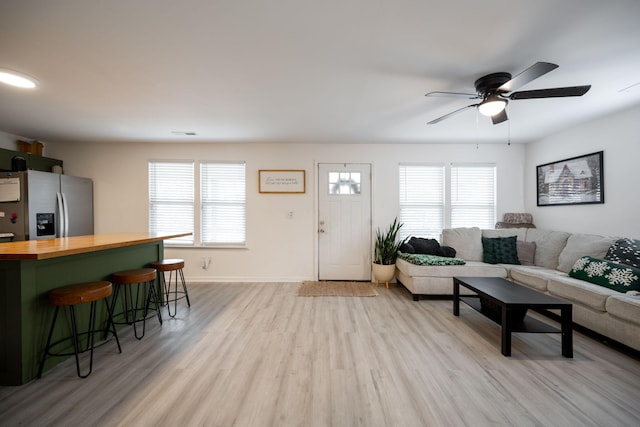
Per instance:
(30,269)
(34,162)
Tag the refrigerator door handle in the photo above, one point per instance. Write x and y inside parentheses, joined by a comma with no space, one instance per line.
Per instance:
(66,215)
(61,230)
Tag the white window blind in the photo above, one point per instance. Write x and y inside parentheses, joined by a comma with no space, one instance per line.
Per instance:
(171,199)
(223,203)
(473,195)
(421,200)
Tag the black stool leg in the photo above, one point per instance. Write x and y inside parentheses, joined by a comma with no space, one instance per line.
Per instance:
(46,348)
(90,338)
(113,325)
(153,295)
(184,287)
(135,311)
(172,279)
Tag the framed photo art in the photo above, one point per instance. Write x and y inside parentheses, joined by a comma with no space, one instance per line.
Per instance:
(281,181)
(575,181)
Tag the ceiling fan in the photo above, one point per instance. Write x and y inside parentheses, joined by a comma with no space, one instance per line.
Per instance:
(496,89)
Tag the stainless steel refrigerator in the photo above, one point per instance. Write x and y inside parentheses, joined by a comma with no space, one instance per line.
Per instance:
(42,205)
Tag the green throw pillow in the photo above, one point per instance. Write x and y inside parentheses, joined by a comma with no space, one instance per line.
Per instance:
(618,277)
(500,250)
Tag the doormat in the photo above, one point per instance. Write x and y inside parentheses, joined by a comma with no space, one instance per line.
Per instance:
(336,289)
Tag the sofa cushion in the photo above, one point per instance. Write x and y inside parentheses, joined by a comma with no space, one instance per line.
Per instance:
(500,250)
(579,245)
(520,233)
(534,277)
(466,241)
(471,268)
(549,244)
(624,307)
(618,277)
(526,252)
(579,291)
(625,251)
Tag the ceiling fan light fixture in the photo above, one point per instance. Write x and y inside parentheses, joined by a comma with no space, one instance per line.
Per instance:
(16,79)
(492,105)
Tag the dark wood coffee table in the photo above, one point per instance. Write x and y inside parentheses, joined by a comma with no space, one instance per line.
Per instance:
(506,303)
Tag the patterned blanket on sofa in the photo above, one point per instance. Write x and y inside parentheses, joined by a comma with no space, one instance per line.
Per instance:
(422,259)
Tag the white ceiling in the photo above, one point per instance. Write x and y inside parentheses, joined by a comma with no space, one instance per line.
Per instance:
(307,71)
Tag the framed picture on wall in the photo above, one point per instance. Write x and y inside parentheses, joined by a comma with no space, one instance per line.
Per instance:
(575,181)
(281,181)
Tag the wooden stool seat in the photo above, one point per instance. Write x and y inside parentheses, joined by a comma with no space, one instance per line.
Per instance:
(168,264)
(80,293)
(71,296)
(143,279)
(174,266)
(139,275)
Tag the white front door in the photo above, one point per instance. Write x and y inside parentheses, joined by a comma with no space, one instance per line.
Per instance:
(344,221)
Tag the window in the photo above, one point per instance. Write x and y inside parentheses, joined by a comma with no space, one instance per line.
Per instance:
(344,183)
(171,199)
(428,204)
(473,195)
(422,200)
(223,201)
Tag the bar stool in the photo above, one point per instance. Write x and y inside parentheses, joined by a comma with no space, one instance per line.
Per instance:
(71,296)
(174,267)
(144,281)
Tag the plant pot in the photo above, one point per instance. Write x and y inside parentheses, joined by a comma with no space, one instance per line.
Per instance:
(384,273)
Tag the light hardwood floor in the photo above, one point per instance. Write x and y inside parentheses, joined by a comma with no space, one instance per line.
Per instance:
(257,355)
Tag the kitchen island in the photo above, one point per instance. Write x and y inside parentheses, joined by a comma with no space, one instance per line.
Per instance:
(30,269)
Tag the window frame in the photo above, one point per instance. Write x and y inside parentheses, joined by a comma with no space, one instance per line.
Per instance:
(196,205)
(203,204)
(449,204)
(489,206)
(153,202)
(408,231)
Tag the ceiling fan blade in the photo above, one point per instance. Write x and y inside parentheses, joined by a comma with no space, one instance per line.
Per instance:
(453,95)
(558,92)
(446,116)
(500,117)
(536,70)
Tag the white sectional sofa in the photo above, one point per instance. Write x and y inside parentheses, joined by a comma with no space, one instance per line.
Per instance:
(606,311)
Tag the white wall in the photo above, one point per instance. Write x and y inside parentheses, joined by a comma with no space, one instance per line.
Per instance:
(619,137)
(279,248)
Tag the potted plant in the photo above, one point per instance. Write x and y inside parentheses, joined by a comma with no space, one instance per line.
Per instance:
(385,253)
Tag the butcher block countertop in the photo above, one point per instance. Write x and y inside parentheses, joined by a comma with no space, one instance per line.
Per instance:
(53,248)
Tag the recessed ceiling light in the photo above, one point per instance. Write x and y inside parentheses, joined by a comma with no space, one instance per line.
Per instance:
(185,133)
(17,79)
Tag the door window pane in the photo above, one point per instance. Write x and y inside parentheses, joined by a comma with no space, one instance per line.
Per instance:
(344,183)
